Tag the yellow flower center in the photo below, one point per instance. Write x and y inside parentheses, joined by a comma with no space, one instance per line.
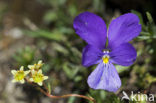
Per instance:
(105,59)
(38,77)
(19,75)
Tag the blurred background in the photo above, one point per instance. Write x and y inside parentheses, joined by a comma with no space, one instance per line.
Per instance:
(32,30)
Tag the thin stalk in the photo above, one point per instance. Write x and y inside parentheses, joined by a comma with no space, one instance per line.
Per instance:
(63,96)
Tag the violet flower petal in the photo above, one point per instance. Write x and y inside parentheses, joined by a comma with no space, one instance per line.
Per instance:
(91,55)
(124,55)
(91,28)
(104,77)
(123,29)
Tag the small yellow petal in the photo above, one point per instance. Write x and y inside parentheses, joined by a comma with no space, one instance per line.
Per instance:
(22,81)
(26,72)
(31,66)
(45,77)
(40,62)
(13,81)
(13,72)
(40,83)
(31,79)
(21,68)
(40,71)
(33,71)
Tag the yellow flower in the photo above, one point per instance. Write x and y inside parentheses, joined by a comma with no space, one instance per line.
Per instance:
(19,75)
(38,77)
(36,66)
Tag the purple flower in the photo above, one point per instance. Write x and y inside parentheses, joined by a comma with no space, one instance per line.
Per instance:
(93,30)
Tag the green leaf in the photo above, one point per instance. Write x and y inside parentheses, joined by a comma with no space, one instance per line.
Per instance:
(71,100)
(49,88)
(50,16)
(46,68)
(60,48)
(121,68)
(78,78)
(149,17)
(70,70)
(54,35)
